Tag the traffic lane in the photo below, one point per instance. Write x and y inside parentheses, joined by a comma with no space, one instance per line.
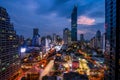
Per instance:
(47,69)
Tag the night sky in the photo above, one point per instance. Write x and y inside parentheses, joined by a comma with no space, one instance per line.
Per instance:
(52,16)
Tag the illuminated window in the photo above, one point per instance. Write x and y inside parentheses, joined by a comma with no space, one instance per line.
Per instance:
(14,46)
(2,18)
(11,36)
(3,68)
(16,56)
(7,64)
(74,25)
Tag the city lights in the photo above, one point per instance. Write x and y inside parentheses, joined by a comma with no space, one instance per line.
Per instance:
(59,40)
(23,50)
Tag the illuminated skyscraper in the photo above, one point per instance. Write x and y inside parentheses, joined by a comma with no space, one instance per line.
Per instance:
(9,59)
(74,24)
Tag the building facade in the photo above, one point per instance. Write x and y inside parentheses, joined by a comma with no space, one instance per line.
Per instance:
(21,40)
(92,43)
(9,58)
(103,42)
(82,38)
(98,40)
(112,48)
(66,36)
(28,42)
(36,40)
(74,24)
(54,38)
(35,32)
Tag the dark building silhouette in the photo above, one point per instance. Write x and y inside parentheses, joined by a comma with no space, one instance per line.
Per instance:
(98,34)
(28,42)
(112,47)
(74,24)
(21,40)
(36,37)
(82,38)
(98,41)
(9,58)
(74,76)
(49,78)
(35,32)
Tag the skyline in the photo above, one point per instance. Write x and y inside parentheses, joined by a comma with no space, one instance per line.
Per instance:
(53,17)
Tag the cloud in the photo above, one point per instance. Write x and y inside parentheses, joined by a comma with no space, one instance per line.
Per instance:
(86,20)
(54,15)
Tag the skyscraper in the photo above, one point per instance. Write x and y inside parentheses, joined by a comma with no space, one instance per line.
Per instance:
(74,24)
(112,48)
(82,38)
(98,43)
(103,42)
(66,36)
(21,40)
(35,32)
(36,40)
(54,38)
(9,59)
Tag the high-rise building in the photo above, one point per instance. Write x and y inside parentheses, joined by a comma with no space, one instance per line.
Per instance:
(35,32)
(66,36)
(92,43)
(9,58)
(112,47)
(36,40)
(50,38)
(98,44)
(21,40)
(28,42)
(103,42)
(82,38)
(58,39)
(43,41)
(54,38)
(74,24)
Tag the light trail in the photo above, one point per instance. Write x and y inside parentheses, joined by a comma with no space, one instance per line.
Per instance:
(47,69)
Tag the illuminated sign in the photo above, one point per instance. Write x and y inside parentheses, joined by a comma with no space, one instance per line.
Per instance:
(23,50)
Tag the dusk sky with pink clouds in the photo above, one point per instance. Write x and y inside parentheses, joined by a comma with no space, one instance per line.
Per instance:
(52,16)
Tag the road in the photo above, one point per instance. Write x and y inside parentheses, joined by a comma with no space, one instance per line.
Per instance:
(47,69)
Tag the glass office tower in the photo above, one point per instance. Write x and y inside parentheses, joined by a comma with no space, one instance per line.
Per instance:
(112,24)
